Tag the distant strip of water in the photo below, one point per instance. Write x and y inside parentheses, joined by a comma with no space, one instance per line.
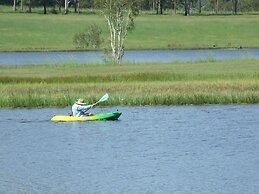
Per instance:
(136,56)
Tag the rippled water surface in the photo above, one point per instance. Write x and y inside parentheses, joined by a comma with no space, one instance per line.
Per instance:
(166,149)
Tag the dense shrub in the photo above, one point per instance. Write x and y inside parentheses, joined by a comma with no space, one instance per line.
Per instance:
(90,38)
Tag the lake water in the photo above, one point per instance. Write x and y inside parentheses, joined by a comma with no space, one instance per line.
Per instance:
(164,149)
(143,56)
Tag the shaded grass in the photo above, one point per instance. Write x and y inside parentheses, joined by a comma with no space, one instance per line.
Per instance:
(220,82)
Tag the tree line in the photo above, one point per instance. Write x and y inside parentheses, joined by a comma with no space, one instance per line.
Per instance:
(187,7)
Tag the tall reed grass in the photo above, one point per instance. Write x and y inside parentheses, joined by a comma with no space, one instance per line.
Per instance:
(223,82)
(132,93)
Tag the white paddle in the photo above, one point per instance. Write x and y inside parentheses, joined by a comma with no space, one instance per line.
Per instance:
(102,99)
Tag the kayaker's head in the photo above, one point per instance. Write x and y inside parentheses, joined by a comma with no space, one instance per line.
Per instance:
(80,101)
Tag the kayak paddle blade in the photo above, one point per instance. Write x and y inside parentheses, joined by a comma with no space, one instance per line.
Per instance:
(104,98)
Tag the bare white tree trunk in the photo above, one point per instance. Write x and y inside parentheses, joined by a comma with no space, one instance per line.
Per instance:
(118,26)
(66,6)
(14,5)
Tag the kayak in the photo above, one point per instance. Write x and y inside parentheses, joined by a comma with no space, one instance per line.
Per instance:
(102,116)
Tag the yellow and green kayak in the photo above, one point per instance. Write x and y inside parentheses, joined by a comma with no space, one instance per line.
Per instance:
(102,116)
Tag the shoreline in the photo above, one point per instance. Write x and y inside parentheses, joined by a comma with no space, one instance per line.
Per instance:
(101,50)
(112,106)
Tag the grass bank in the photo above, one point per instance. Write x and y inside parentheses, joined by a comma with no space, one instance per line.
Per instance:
(219,82)
(38,32)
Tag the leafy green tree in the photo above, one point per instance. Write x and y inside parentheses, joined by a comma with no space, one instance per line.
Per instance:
(250,5)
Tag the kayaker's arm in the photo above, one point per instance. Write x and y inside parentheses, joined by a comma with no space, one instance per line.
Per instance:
(85,108)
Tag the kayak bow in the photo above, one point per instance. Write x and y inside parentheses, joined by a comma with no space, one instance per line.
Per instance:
(102,116)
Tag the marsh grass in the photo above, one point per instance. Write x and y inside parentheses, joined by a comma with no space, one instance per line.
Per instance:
(220,82)
(38,95)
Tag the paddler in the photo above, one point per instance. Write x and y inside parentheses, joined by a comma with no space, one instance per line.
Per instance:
(80,108)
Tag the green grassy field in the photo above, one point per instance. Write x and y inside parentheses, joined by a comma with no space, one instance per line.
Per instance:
(38,32)
(221,82)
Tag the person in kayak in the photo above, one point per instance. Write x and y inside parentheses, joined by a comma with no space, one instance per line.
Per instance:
(80,108)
